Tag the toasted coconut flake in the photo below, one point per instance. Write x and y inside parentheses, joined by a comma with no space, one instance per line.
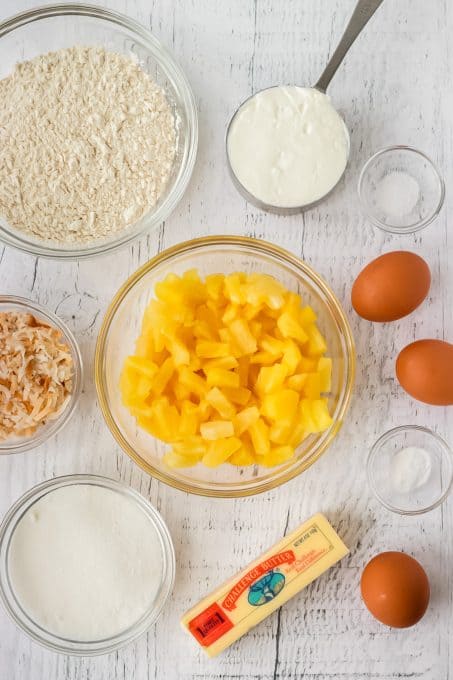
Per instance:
(36,374)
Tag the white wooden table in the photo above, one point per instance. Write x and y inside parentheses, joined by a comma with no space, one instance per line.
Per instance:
(395,87)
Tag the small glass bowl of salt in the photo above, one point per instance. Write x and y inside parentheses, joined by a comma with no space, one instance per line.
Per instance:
(400,190)
(410,470)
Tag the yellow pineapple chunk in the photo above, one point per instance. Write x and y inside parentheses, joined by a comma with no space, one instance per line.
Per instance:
(180,391)
(297,381)
(312,386)
(259,434)
(144,347)
(234,289)
(149,424)
(280,433)
(219,377)
(217,429)
(128,387)
(238,395)
(192,381)
(289,327)
(179,352)
(262,288)
(245,418)
(242,457)
(263,358)
(222,362)
(270,378)
(208,314)
(272,345)
(163,376)
(203,331)
(141,365)
(177,460)
(307,317)
(291,356)
(243,336)
(193,445)
(320,414)
(211,350)
(143,388)
(297,434)
(314,415)
(166,417)
(220,450)
(307,365)
(214,286)
(316,343)
(205,410)
(276,456)
(189,420)
(230,313)
(217,399)
(325,374)
(231,368)
(249,312)
(281,406)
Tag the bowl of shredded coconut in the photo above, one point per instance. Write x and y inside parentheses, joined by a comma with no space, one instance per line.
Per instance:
(98,131)
(40,374)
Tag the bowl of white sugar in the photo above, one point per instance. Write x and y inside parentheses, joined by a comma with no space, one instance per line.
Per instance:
(98,131)
(86,564)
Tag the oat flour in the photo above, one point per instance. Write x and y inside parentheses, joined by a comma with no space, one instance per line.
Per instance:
(87,145)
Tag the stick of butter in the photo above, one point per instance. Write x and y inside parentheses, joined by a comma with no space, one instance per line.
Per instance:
(264,585)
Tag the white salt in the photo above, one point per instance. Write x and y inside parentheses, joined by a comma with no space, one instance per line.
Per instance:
(397,194)
(411,468)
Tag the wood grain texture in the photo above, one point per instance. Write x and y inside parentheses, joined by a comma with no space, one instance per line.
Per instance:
(396,86)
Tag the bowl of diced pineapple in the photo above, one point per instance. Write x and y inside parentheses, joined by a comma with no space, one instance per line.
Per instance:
(224,366)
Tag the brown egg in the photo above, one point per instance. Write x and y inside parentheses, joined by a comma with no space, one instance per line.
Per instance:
(395,589)
(425,370)
(391,286)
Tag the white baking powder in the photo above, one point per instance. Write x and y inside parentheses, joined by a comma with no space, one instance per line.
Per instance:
(397,194)
(410,469)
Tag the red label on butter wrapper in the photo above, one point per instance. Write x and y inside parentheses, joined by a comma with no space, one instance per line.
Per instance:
(209,625)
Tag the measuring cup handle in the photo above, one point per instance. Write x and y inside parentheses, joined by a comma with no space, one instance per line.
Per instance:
(363,12)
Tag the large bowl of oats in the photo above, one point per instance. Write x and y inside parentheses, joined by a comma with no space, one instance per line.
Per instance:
(98,131)
(41,374)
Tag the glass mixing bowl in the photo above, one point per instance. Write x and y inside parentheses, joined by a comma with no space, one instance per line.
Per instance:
(413,483)
(121,327)
(88,647)
(10,303)
(401,190)
(53,27)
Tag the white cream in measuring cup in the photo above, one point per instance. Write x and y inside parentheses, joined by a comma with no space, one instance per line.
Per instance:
(288,146)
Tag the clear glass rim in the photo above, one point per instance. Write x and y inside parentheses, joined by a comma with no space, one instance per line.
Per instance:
(279,254)
(43,637)
(376,448)
(411,228)
(174,73)
(57,425)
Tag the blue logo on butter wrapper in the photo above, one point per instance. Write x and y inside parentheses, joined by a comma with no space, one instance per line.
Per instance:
(266,588)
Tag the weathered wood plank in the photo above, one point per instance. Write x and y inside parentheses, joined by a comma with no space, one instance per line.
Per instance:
(395,87)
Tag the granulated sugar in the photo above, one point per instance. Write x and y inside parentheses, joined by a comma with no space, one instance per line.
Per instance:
(87,145)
